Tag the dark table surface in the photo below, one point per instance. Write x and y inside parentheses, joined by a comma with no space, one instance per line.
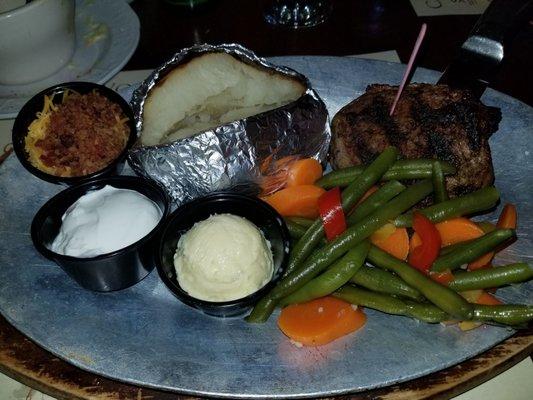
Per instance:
(354,27)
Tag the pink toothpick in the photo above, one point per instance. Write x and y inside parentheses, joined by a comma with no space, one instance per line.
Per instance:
(409,66)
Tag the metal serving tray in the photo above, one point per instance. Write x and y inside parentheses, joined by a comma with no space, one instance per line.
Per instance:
(143,335)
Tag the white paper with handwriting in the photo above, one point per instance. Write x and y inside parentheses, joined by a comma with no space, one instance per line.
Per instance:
(429,8)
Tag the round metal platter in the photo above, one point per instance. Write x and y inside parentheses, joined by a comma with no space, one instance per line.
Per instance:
(143,335)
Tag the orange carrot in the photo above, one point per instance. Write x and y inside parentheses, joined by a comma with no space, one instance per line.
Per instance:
(274,173)
(458,230)
(444,278)
(487,299)
(481,262)
(394,241)
(288,171)
(296,201)
(320,321)
(453,231)
(367,193)
(477,297)
(508,217)
(507,220)
(480,296)
(304,172)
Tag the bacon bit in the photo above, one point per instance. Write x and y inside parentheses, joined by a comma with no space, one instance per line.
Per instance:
(83,135)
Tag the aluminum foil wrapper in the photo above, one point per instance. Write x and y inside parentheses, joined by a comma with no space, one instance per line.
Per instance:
(229,156)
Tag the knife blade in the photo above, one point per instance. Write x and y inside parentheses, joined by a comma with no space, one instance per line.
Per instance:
(479,57)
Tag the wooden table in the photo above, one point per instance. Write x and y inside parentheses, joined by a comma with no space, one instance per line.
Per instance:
(26,362)
(355,27)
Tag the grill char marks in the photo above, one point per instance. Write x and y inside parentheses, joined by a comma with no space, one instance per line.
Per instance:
(430,121)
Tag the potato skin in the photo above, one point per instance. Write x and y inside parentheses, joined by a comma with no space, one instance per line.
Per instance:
(210,90)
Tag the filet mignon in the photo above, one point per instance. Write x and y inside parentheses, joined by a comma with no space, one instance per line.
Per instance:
(430,121)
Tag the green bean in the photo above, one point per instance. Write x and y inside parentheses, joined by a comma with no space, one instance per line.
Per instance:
(376,200)
(439,183)
(332,279)
(426,312)
(472,250)
(480,200)
(305,222)
(454,247)
(296,231)
(508,314)
(443,297)
(383,281)
(401,170)
(391,305)
(492,277)
(335,249)
(486,226)
(304,247)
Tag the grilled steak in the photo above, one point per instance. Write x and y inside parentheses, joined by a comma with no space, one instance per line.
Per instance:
(430,121)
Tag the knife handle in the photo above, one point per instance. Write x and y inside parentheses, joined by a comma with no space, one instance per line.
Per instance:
(484,49)
(497,26)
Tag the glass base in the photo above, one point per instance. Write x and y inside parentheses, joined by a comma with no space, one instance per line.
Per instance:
(298,14)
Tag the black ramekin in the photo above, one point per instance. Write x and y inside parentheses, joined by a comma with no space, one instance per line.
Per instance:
(28,114)
(251,208)
(112,271)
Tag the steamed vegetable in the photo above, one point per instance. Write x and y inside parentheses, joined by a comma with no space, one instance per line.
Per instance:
(296,201)
(332,279)
(326,255)
(423,255)
(320,321)
(401,170)
(480,200)
(394,241)
(331,213)
(472,250)
(350,196)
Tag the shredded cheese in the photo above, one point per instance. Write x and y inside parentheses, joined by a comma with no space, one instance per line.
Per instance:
(37,131)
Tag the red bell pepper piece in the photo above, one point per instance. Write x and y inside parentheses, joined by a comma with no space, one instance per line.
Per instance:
(332,214)
(422,256)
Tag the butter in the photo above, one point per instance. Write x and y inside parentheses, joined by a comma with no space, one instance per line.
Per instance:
(223,258)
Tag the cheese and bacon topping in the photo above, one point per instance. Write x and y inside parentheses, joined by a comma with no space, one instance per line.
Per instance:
(81,135)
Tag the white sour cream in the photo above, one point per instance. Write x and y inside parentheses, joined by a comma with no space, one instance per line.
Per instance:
(105,220)
(223,258)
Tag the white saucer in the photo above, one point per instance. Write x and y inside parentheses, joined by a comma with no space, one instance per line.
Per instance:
(114,29)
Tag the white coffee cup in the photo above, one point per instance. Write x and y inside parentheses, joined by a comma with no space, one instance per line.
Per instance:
(36,40)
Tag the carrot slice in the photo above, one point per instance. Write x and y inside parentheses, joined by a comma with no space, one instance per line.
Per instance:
(482,262)
(274,173)
(508,217)
(458,230)
(507,220)
(288,171)
(395,242)
(488,299)
(296,201)
(304,172)
(477,297)
(366,195)
(320,321)
(444,278)
(453,231)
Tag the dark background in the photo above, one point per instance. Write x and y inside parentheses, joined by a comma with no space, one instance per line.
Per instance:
(354,27)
